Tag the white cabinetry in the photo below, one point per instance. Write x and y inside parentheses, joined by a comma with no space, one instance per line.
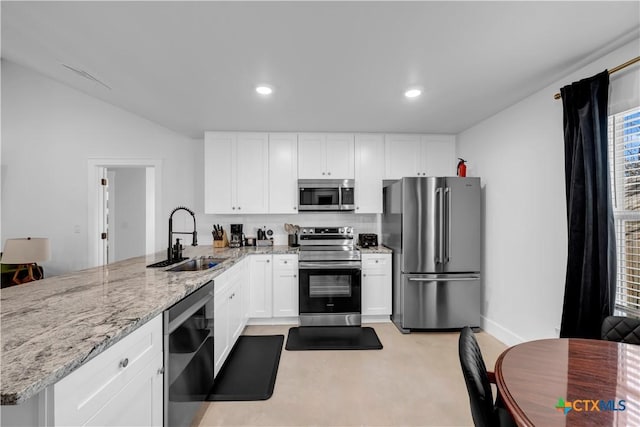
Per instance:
(283,173)
(236,172)
(376,284)
(121,386)
(325,156)
(229,312)
(369,172)
(419,155)
(261,283)
(285,285)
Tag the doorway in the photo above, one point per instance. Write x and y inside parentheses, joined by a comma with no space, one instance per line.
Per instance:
(123,200)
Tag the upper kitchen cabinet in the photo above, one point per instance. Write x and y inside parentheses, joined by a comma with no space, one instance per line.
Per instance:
(325,156)
(236,172)
(419,155)
(283,173)
(369,172)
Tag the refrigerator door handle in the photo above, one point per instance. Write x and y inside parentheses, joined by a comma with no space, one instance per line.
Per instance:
(447,196)
(444,279)
(439,257)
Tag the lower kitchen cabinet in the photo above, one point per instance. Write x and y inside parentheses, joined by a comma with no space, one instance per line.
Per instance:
(376,284)
(285,285)
(229,313)
(261,283)
(120,387)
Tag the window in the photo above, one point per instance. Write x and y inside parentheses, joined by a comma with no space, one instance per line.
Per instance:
(624,160)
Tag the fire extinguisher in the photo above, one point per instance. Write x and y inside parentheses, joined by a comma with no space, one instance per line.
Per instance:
(462,168)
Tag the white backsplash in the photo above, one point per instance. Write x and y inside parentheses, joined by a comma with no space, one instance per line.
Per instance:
(361,223)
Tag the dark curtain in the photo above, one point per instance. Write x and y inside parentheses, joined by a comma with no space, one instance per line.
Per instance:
(591,261)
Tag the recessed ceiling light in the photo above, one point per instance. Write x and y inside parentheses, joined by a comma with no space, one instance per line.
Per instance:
(412,93)
(264,90)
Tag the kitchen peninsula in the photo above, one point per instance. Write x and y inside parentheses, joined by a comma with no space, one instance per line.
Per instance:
(52,327)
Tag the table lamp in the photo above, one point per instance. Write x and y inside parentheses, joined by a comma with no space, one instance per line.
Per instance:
(26,252)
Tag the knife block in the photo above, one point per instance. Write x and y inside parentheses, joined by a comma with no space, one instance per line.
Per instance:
(220,242)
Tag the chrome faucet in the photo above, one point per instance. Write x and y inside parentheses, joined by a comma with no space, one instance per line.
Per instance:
(175,253)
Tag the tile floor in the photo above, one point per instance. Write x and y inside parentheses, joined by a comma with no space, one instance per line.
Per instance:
(415,380)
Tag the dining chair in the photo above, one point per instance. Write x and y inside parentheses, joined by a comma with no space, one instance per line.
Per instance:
(484,411)
(621,329)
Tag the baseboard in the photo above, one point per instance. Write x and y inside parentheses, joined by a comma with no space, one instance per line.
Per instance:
(378,318)
(273,321)
(500,333)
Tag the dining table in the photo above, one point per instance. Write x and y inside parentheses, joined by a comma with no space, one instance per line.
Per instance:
(570,382)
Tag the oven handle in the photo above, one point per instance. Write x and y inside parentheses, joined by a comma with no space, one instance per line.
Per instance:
(305,265)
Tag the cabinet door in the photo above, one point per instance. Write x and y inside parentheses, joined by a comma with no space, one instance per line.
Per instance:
(339,156)
(235,312)
(311,156)
(376,284)
(283,173)
(219,180)
(139,403)
(121,379)
(402,155)
(369,171)
(252,173)
(221,339)
(438,155)
(261,280)
(285,286)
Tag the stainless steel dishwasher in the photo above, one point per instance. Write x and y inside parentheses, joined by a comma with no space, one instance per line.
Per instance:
(188,356)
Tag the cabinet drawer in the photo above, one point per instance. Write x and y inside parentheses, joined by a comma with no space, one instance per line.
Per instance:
(374,262)
(85,391)
(285,262)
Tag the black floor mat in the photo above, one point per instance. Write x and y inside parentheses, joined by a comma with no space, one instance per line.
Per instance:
(332,338)
(249,372)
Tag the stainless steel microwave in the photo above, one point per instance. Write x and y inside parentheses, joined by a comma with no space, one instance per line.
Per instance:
(326,195)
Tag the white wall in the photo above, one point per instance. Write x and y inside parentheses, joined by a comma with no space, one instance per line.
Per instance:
(49,131)
(519,154)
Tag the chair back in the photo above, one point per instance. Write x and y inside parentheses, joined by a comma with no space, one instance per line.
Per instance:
(477,380)
(621,329)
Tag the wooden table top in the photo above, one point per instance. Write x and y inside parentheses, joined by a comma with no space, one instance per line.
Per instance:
(571,382)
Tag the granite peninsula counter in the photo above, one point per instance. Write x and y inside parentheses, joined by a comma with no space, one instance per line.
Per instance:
(53,326)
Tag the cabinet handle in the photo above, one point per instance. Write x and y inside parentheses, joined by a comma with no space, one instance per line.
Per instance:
(124,362)
(161,371)
(268,260)
(295,207)
(377,261)
(364,275)
(233,207)
(418,173)
(238,207)
(294,276)
(285,261)
(322,173)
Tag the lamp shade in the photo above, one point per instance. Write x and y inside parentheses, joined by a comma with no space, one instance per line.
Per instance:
(26,251)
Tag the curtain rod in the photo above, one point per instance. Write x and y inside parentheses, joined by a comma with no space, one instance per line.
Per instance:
(611,71)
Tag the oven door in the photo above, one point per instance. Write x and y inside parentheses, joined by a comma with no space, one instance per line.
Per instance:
(329,287)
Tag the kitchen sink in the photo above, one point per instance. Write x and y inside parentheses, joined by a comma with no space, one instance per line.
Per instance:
(197,264)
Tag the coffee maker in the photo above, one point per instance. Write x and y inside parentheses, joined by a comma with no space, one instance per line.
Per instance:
(237,239)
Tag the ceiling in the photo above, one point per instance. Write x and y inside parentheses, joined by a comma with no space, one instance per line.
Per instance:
(334,66)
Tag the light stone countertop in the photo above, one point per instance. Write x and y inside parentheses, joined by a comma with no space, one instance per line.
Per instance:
(375,250)
(52,326)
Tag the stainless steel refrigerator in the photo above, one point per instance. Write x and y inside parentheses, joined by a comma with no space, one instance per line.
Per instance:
(433,226)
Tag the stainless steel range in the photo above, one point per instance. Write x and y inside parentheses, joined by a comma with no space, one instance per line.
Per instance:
(329,270)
